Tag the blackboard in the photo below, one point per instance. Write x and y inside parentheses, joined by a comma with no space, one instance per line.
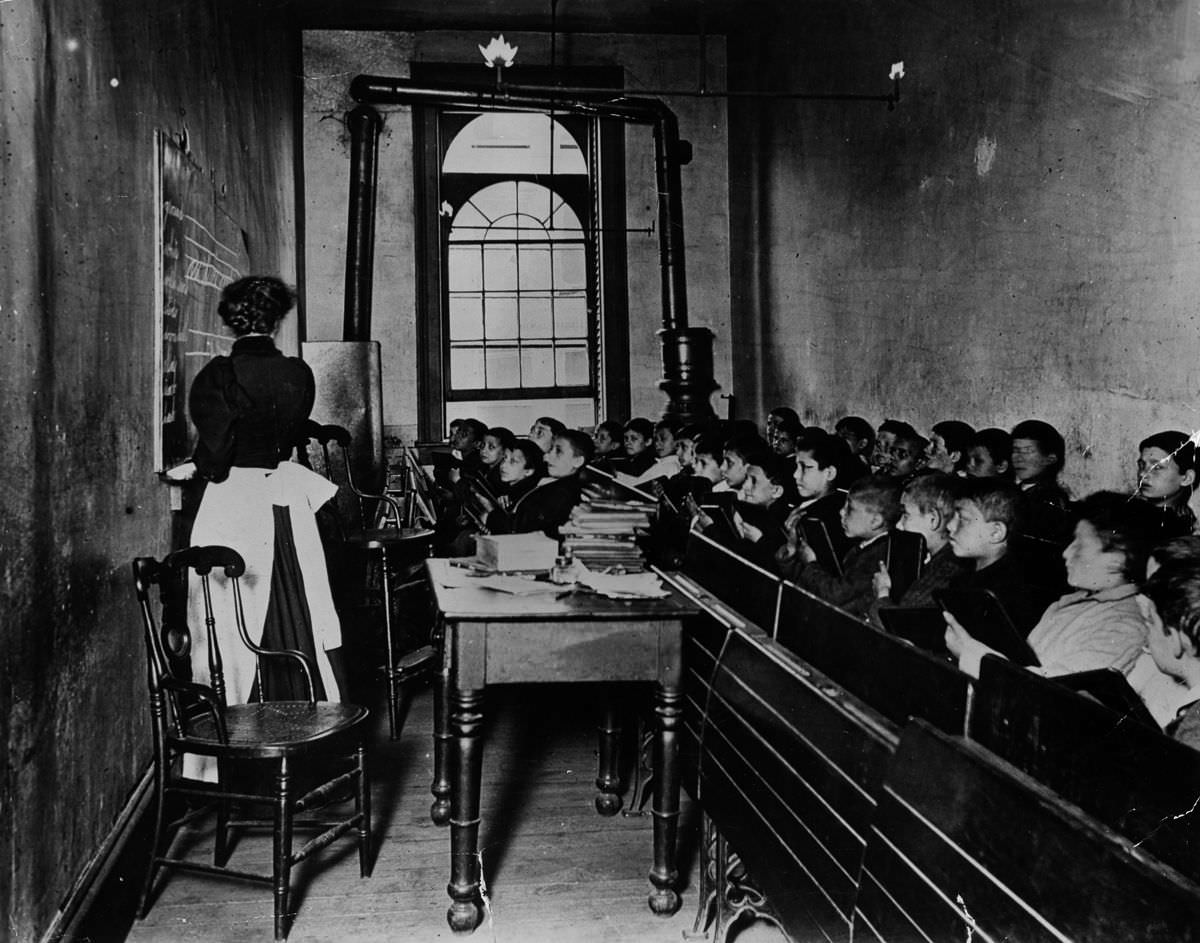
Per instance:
(199,250)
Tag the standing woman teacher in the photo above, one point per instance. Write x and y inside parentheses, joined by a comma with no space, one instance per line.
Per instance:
(249,409)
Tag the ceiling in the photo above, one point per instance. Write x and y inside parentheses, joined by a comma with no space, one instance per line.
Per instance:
(566,16)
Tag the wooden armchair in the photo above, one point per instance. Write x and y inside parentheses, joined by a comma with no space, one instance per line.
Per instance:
(295,741)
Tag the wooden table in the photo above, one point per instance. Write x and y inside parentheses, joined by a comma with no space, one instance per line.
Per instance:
(497,638)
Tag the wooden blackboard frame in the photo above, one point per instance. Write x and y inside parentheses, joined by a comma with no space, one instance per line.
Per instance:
(199,250)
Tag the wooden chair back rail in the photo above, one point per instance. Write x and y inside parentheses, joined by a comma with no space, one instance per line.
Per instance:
(789,768)
(750,591)
(896,679)
(1134,780)
(944,860)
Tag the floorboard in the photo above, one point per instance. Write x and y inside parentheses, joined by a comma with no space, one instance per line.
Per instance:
(555,870)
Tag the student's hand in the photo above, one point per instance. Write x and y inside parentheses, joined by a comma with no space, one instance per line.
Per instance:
(748,531)
(957,638)
(882,581)
(701,521)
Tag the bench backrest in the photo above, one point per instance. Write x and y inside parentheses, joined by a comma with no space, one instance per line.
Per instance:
(748,589)
(1135,780)
(897,679)
(965,846)
(788,770)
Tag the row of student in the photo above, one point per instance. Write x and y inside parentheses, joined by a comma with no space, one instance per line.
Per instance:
(971,528)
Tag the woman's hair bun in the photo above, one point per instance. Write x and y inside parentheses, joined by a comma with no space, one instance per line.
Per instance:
(255,304)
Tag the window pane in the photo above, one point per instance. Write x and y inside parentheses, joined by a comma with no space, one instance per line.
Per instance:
(535,317)
(572,363)
(501,318)
(535,266)
(468,223)
(495,201)
(466,368)
(536,202)
(464,269)
(466,318)
(570,317)
(503,368)
(564,224)
(499,268)
(537,366)
(569,270)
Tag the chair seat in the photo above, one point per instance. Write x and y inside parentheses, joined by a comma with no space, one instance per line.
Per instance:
(391,537)
(276,728)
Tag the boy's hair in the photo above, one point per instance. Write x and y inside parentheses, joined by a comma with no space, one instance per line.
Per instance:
(859,427)
(879,494)
(748,446)
(997,442)
(535,458)
(503,435)
(673,424)
(957,436)
(999,501)
(641,426)
(709,443)
(785,414)
(556,426)
(1124,526)
(793,427)
(898,428)
(1049,440)
(826,449)
(581,443)
(910,437)
(1184,549)
(614,429)
(477,428)
(1178,445)
(1175,591)
(775,469)
(935,491)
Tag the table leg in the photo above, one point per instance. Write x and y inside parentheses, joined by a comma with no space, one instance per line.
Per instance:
(608,776)
(466,765)
(664,899)
(439,810)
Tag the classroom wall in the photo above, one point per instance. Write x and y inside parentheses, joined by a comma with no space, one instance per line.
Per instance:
(86,83)
(332,58)
(1017,238)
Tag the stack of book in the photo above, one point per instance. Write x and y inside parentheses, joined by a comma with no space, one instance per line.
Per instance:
(603,532)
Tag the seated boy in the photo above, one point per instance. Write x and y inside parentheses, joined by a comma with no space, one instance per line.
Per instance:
(734,463)
(948,444)
(550,504)
(783,440)
(989,454)
(608,437)
(637,455)
(859,436)
(764,501)
(1166,477)
(907,455)
(687,481)
(872,508)
(1170,604)
(1038,455)
(927,506)
(820,458)
(982,528)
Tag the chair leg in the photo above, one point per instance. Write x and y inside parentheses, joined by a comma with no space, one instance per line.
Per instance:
(160,801)
(393,684)
(221,847)
(363,808)
(283,848)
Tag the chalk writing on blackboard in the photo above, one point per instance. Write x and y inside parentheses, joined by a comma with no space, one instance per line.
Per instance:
(200,250)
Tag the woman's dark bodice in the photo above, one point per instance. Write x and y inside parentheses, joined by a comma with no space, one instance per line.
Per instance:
(249,408)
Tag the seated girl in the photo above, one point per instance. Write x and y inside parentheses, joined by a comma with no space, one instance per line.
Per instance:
(1098,624)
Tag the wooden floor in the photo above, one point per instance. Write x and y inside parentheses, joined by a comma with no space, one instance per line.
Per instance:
(555,871)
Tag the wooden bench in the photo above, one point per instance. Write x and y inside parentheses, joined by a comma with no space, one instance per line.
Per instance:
(786,769)
(1135,780)
(964,846)
(747,589)
(895,678)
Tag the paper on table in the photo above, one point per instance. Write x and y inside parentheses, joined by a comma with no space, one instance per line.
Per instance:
(622,586)
(520,587)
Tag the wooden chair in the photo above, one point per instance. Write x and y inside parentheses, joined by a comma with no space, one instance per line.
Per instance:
(293,741)
(394,531)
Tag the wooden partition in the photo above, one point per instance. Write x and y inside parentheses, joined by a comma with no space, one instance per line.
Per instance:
(965,846)
(746,588)
(1137,781)
(896,678)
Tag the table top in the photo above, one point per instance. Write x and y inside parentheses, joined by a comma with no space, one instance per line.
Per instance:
(459,597)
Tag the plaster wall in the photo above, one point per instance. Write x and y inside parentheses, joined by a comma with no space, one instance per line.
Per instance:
(85,84)
(1016,239)
(333,58)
